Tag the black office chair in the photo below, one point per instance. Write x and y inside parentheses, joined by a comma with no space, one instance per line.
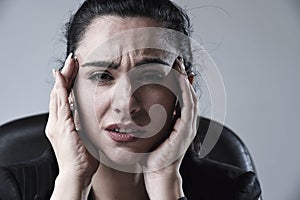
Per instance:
(24,140)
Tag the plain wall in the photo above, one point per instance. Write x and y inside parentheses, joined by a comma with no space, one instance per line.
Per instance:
(256,45)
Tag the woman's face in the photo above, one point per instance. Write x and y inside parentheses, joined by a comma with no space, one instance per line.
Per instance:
(114,91)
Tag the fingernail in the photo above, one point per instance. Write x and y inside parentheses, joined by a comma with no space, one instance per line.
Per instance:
(180,58)
(75,59)
(191,78)
(70,56)
(181,65)
(53,73)
(67,62)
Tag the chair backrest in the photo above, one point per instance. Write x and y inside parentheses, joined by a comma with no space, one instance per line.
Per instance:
(229,148)
(24,139)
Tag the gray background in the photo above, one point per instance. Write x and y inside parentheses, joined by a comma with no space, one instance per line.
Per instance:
(256,45)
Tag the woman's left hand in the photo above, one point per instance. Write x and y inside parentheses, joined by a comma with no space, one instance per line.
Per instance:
(161,174)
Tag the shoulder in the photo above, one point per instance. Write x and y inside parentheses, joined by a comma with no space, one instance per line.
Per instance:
(207,179)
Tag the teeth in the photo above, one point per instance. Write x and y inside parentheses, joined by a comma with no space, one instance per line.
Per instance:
(126,130)
(118,130)
(123,131)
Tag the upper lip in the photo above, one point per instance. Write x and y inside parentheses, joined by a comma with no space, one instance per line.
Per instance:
(129,128)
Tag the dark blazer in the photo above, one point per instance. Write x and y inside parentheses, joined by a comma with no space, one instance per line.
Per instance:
(203,179)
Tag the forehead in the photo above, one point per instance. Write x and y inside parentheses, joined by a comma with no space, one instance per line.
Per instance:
(102,35)
(148,53)
(137,57)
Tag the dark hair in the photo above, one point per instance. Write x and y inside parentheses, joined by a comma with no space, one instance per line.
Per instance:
(165,12)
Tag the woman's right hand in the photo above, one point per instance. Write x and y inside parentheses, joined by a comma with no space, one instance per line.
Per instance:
(76,164)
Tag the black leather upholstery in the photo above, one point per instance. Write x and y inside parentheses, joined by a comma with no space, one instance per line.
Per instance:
(229,148)
(24,138)
(29,180)
(27,140)
(23,141)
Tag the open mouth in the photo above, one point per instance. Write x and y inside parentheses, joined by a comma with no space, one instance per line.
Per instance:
(125,131)
(124,134)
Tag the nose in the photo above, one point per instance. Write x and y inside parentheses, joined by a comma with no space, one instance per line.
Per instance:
(124,102)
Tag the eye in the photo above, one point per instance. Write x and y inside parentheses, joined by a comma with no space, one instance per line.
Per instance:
(101,77)
(151,76)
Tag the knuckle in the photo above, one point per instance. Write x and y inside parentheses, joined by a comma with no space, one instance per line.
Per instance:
(49,132)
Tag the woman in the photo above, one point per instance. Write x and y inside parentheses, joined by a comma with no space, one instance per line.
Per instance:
(122,117)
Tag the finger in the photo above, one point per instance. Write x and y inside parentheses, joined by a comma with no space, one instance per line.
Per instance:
(64,111)
(194,112)
(187,100)
(66,68)
(69,71)
(75,69)
(184,128)
(178,142)
(52,111)
(195,100)
(179,66)
(76,66)
(53,105)
(186,123)
(53,73)
(193,92)
(53,100)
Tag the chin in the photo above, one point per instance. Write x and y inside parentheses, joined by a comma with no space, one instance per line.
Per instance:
(122,160)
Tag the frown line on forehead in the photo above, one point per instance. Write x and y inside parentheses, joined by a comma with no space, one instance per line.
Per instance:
(114,65)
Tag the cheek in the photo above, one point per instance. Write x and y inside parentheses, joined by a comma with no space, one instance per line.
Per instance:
(85,106)
(160,124)
(157,94)
(84,96)
(102,102)
(91,106)
(91,101)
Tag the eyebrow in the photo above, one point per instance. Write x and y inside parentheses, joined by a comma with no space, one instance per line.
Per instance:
(102,64)
(152,60)
(105,64)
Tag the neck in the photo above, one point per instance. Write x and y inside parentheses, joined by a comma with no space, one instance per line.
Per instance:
(109,183)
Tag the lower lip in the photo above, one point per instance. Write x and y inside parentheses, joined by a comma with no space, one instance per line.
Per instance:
(121,137)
